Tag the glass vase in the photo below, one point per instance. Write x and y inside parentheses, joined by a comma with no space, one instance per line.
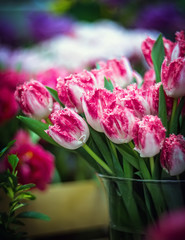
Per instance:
(135,204)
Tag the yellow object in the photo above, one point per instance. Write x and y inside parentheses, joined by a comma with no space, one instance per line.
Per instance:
(71,206)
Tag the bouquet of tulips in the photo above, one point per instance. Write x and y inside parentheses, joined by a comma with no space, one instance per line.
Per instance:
(122,124)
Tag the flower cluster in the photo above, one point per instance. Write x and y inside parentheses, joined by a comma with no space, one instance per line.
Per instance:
(135,115)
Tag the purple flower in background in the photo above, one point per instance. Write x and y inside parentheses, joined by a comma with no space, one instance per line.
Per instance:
(44,25)
(166,18)
(7,32)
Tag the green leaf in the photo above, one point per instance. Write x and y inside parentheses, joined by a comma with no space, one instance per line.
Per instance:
(39,128)
(13,160)
(158,55)
(25,196)
(108,84)
(17,206)
(162,109)
(32,214)
(54,94)
(175,123)
(24,187)
(127,155)
(7,147)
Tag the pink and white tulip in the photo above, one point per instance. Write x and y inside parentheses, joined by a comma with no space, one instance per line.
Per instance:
(148,44)
(133,99)
(179,48)
(70,89)
(121,71)
(149,79)
(94,104)
(152,97)
(118,123)
(69,129)
(149,136)
(34,99)
(173,77)
(173,155)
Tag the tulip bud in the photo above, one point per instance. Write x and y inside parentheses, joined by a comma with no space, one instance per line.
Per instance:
(34,99)
(94,103)
(70,89)
(173,154)
(121,71)
(69,129)
(118,124)
(173,77)
(149,135)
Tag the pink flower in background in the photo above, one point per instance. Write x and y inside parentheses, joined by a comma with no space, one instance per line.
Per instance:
(36,165)
(11,78)
(121,71)
(70,89)
(149,79)
(8,105)
(94,104)
(49,77)
(170,226)
(173,155)
(69,129)
(149,136)
(173,77)
(118,124)
(34,99)
(148,44)
(133,99)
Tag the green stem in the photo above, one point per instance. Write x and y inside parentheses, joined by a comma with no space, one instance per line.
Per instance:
(97,159)
(173,111)
(113,149)
(152,165)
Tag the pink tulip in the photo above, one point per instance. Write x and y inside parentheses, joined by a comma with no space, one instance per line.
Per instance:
(179,48)
(149,79)
(152,97)
(94,103)
(133,99)
(100,75)
(173,77)
(34,99)
(71,88)
(148,44)
(121,71)
(118,124)
(149,136)
(69,129)
(173,155)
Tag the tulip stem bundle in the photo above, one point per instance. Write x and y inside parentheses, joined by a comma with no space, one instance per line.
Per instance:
(97,159)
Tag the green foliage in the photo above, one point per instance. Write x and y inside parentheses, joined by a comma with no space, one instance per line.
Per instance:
(158,56)
(18,196)
(54,94)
